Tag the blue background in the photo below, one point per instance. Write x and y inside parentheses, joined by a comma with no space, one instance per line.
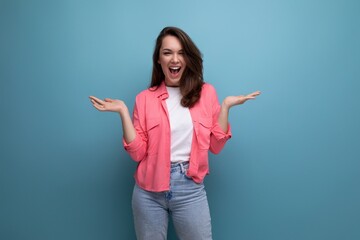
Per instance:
(291,170)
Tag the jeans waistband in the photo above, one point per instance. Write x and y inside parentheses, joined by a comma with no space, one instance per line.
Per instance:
(182,167)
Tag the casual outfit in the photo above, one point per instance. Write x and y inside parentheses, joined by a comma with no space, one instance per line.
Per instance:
(171,147)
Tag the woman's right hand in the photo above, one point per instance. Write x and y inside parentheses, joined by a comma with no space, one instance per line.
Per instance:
(109,105)
(115,105)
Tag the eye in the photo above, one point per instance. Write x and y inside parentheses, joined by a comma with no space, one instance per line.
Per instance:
(166,53)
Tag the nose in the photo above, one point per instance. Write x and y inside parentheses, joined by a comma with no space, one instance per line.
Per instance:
(175,58)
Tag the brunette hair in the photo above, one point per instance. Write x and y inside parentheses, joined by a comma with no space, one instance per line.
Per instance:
(192,78)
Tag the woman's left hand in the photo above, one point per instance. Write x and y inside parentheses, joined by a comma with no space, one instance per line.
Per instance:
(231,101)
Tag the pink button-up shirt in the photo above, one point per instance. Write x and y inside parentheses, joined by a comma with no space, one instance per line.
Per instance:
(151,146)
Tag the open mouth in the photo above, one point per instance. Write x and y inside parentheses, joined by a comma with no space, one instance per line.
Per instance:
(174,70)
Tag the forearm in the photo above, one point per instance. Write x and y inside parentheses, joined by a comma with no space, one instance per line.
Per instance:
(127,126)
(223,117)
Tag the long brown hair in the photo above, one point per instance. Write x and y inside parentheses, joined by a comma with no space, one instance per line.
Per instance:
(192,78)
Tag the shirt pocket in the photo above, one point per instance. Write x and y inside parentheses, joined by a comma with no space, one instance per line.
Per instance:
(152,123)
(153,135)
(203,132)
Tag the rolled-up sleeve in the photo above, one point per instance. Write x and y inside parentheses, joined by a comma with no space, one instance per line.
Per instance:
(137,147)
(218,137)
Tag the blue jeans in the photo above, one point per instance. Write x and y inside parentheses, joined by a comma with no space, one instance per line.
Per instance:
(185,202)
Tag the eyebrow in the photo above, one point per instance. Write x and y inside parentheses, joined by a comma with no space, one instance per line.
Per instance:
(167,49)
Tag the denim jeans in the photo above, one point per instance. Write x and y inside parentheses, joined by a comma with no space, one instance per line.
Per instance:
(185,202)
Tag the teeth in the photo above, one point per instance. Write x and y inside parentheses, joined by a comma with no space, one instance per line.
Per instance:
(174,68)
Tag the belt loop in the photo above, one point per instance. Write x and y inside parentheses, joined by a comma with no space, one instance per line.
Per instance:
(182,168)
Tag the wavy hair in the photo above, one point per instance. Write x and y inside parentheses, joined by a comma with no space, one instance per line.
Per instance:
(192,78)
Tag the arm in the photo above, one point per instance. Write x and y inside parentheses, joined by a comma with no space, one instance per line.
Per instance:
(111,105)
(229,102)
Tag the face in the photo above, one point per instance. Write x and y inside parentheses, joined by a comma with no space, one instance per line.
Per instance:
(171,59)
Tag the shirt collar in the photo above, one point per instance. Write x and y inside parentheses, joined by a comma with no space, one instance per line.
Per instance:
(161,91)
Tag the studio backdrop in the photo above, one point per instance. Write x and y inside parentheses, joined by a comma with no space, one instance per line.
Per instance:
(291,171)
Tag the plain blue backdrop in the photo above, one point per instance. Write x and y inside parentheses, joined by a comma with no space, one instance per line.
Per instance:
(291,170)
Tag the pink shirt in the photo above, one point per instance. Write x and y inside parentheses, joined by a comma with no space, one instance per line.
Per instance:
(151,146)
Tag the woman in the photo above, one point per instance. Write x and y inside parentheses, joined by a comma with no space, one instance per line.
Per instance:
(175,122)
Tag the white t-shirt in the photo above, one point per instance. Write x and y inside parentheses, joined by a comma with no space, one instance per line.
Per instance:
(181,126)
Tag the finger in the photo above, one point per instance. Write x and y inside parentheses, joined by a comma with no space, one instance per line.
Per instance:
(108,100)
(97,100)
(99,107)
(254,94)
(94,102)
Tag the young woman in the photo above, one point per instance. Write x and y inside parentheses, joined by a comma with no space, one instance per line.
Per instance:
(175,123)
